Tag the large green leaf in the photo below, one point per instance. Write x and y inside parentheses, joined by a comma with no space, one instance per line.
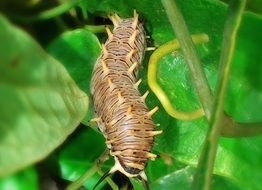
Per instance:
(183,177)
(40,103)
(252,5)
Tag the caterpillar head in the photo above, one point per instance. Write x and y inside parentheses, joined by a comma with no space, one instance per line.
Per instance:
(127,171)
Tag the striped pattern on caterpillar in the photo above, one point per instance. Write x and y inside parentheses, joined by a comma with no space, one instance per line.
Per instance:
(122,115)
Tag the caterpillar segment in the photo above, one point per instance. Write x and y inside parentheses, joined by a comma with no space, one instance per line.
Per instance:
(138,83)
(124,119)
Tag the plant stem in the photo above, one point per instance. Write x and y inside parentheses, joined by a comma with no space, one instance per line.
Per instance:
(203,177)
(95,28)
(232,129)
(188,49)
(109,181)
(95,168)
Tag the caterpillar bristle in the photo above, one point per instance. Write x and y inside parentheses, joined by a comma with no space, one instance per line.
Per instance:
(104,50)
(105,68)
(132,38)
(109,33)
(115,19)
(151,112)
(132,68)
(110,83)
(154,133)
(130,54)
(151,156)
(143,175)
(138,82)
(129,111)
(135,22)
(145,95)
(120,98)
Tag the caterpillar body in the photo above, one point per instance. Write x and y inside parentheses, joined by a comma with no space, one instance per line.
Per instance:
(121,113)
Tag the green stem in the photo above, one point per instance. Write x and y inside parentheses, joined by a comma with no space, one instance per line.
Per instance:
(109,181)
(203,177)
(95,168)
(230,129)
(95,28)
(188,49)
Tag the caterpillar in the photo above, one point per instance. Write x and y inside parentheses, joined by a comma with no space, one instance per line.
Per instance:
(121,113)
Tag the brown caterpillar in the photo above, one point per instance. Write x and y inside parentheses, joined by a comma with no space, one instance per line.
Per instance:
(121,113)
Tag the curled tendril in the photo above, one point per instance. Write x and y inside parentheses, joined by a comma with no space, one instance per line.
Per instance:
(160,52)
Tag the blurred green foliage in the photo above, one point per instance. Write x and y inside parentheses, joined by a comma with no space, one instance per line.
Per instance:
(36,87)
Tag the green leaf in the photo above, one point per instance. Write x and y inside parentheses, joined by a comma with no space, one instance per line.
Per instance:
(23,180)
(78,50)
(252,5)
(40,103)
(244,98)
(137,184)
(182,179)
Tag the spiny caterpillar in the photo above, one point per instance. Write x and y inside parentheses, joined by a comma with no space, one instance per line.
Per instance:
(121,113)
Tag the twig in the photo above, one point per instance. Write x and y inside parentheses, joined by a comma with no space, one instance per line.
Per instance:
(203,177)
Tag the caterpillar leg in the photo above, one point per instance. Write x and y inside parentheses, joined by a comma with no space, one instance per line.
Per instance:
(152,70)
